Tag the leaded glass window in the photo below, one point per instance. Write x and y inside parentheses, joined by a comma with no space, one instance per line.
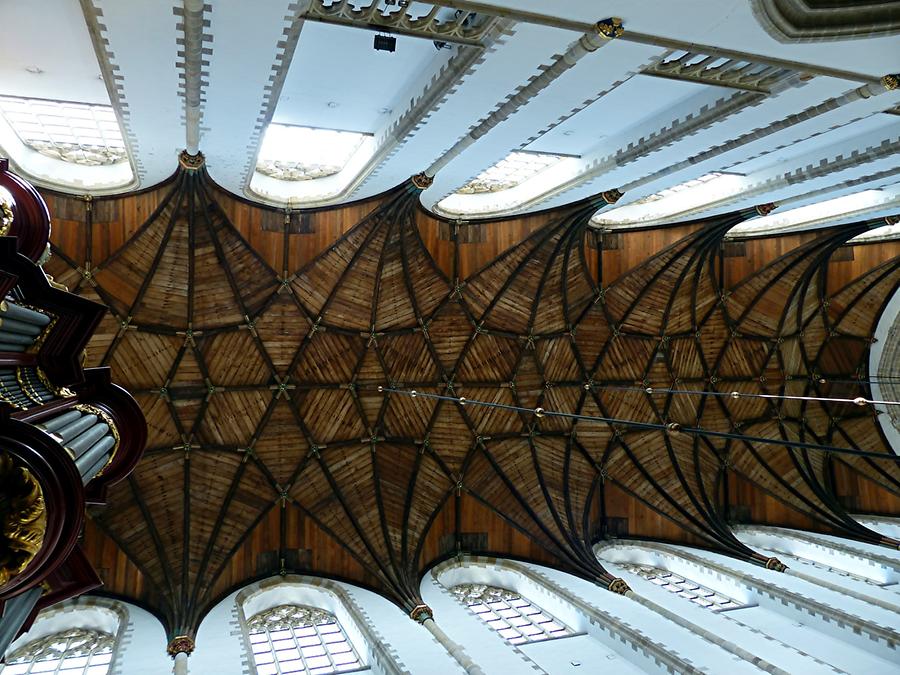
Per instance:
(835,570)
(72,652)
(515,618)
(296,639)
(79,133)
(512,170)
(685,588)
(297,153)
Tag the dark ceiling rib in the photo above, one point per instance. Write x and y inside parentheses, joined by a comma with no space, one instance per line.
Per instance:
(532,328)
(154,265)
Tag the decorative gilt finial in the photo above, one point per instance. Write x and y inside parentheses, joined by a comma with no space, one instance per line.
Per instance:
(422,181)
(179,644)
(766,209)
(191,162)
(610,28)
(612,196)
(891,81)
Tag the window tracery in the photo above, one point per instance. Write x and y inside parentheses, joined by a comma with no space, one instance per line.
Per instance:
(685,588)
(296,153)
(512,170)
(78,133)
(75,651)
(515,618)
(298,639)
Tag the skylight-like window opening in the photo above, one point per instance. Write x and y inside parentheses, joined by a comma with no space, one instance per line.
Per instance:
(516,619)
(295,153)
(836,570)
(514,169)
(688,197)
(72,652)
(681,187)
(79,133)
(298,639)
(684,588)
(853,205)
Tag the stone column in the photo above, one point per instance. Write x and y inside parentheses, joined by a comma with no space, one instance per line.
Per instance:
(422,614)
(180,647)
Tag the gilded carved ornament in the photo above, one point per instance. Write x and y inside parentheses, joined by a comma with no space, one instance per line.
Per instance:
(610,28)
(191,162)
(179,644)
(775,564)
(23,518)
(422,181)
(421,613)
(619,586)
(6,215)
(611,196)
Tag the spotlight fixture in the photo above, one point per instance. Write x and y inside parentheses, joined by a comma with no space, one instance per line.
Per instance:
(385,43)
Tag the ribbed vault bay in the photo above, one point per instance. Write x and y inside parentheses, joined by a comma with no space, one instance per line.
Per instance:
(255,342)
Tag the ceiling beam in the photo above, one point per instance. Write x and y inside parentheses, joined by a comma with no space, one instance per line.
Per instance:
(653,40)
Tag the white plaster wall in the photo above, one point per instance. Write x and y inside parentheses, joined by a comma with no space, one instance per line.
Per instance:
(220,648)
(822,549)
(143,647)
(886,526)
(619,654)
(784,642)
(577,655)
(486,648)
(416,649)
(669,636)
(852,632)
(885,322)
(806,638)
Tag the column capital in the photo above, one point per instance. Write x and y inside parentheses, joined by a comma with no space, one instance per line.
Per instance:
(421,613)
(619,586)
(180,644)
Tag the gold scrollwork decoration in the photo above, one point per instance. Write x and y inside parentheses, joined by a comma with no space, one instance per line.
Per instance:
(6,216)
(422,181)
(23,518)
(23,375)
(610,28)
(62,392)
(180,644)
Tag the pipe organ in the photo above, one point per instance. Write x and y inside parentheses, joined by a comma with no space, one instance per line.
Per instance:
(66,432)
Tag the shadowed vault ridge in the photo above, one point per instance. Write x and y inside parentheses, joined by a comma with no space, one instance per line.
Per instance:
(260,389)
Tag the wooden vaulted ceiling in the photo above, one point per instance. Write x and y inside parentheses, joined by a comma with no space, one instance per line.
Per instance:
(255,341)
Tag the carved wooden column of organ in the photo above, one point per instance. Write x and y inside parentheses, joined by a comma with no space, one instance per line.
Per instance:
(66,433)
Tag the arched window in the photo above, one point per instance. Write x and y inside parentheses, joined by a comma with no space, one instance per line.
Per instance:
(685,588)
(515,618)
(75,651)
(298,639)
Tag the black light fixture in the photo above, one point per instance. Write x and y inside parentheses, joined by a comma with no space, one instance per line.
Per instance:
(385,43)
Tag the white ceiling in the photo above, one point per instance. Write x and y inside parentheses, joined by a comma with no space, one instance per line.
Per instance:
(263,63)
